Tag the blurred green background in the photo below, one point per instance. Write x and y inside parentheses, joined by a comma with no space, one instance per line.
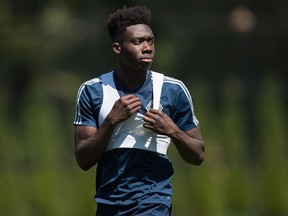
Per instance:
(232,55)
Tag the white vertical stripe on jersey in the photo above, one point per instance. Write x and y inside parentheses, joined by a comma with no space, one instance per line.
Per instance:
(184,88)
(78,117)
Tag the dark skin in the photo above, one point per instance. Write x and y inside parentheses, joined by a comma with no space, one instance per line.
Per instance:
(135,53)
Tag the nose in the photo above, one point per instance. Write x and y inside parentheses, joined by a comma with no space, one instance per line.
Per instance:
(147,47)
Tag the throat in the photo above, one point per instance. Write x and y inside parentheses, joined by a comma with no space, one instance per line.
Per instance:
(130,83)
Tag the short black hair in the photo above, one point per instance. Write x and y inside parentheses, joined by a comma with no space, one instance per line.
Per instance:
(127,16)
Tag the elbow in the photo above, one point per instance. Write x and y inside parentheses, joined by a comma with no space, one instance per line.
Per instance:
(200,156)
(199,159)
(196,160)
(83,164)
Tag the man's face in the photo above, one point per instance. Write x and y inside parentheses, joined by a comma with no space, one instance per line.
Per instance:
(137,47)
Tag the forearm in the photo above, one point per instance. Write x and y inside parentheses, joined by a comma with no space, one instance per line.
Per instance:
(91,145)
(189,144)
(190,148)
(90,150)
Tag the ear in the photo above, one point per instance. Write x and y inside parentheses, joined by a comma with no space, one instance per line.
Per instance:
(116,48)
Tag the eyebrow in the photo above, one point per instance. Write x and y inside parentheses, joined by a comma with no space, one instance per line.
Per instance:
(143,37)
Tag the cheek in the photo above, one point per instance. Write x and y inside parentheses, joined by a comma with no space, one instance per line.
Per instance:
(131,54)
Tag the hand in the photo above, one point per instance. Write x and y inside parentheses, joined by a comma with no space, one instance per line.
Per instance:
(159,122)
(123,108)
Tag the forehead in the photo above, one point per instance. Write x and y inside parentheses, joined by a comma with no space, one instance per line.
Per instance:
(139,30)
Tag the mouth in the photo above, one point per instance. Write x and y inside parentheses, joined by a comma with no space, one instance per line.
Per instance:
(148,60)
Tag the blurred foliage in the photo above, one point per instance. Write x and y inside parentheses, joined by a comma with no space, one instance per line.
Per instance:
(232,55)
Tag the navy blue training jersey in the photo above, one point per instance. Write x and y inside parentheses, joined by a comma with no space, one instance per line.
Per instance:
(128,176)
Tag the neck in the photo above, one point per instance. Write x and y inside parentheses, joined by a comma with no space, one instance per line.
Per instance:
(133,79)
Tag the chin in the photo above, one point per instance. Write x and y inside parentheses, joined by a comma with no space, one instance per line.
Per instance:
(144,67)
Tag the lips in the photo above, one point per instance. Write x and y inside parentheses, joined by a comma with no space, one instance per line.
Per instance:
(146,59)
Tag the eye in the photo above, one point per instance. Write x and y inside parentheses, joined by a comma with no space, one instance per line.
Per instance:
(136,41)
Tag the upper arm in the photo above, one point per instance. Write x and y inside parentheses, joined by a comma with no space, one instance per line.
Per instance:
(195,133)
(88,103)
(82,133)
(179,101)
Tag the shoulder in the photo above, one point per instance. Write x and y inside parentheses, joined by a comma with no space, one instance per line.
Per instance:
(90,90)
(91,85)
(173,84)
(170,81)
(92,82)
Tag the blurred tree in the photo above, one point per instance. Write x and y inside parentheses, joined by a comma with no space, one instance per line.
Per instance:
(48,48)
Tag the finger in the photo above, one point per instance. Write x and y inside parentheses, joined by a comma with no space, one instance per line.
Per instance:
(148,125)
(134,100)
(135,109)
(130,96)
(130,99)
(135,105)
(150,121)
(147,119)
(152,115)
(155,111)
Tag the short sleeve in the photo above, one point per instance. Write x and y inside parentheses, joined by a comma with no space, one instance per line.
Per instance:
(184,115)
(88,102)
